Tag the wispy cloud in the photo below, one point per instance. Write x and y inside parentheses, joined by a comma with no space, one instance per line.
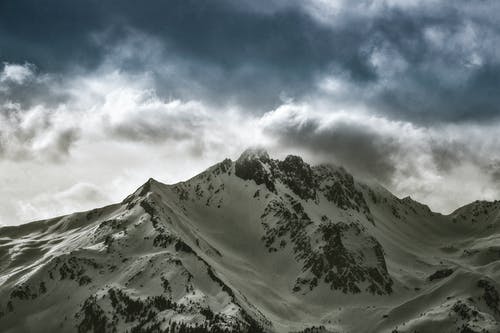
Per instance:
(15,73)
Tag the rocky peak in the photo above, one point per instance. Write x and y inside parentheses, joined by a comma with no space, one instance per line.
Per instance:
(294,164)
(251,166)
(259,154)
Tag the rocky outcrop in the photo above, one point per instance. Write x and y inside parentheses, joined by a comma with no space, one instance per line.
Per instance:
(325,249)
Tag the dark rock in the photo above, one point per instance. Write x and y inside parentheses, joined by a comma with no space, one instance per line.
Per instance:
(250,166)
(490,294)
(440,274)
(298,176)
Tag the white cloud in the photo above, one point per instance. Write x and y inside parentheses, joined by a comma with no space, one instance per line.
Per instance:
(112,129)
(38,132)
(79,197)
(17,73)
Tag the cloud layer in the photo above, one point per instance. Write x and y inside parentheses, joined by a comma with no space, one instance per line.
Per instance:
(434,164)
(112,93)
(422,61)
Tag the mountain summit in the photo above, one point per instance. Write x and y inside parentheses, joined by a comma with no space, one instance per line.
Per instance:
(255,245)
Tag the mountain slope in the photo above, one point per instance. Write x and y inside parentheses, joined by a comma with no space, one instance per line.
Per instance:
(255,245)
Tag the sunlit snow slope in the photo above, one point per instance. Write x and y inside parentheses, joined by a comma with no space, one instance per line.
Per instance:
(255,245)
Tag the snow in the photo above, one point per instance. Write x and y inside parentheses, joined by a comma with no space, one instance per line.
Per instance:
(200,244)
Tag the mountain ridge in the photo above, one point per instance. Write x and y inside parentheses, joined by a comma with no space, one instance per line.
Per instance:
(321,246)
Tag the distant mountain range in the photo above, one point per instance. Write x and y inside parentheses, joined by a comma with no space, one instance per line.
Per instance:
(255,245)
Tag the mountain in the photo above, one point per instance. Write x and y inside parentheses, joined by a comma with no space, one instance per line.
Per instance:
(255,245)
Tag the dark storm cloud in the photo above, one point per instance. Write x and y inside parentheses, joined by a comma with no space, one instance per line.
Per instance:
(230,50)
(401,91)
(450,154)
(358,146)
(425,99)
(352,145)
(424,62)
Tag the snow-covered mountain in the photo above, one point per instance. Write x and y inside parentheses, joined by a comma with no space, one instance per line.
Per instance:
(255,245)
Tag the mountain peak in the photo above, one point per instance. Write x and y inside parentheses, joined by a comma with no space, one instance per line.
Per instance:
(196,256)
(141,192)
(250,165)
(255,153)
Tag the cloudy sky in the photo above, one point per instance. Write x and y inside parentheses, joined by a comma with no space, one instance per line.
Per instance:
(97,96)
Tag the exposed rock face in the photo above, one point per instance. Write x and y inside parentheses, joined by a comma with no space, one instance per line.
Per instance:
(293,172)
(339,187)
(323,250)
(287,224)
(298,176)
(440,274)
(252,166)
(336,184)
